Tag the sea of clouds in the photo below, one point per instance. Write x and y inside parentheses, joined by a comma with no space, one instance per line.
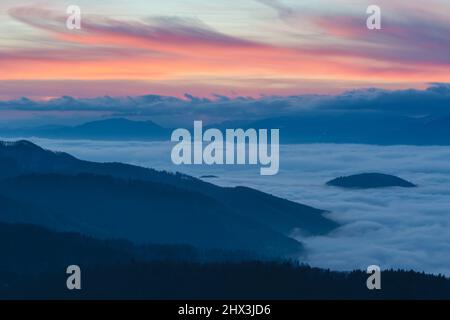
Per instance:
(392,227)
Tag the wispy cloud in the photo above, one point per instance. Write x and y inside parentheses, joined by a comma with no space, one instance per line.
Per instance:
(410,49)
(409,35)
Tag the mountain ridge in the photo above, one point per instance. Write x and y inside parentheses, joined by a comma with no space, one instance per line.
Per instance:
(31,170)
(371,127)
(117,129)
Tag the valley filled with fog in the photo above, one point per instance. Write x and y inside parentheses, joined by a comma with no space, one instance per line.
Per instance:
(390,227)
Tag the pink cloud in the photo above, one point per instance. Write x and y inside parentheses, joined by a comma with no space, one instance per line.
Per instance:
(166,49)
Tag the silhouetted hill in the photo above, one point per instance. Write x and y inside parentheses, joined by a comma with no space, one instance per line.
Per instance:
(227,280)
(30,249)
(251,280)
(109,129)
(281,215)
(370,180)
(33,263)
(143,212)
(37,250)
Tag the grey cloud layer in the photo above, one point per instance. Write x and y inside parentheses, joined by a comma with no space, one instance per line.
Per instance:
(171,111)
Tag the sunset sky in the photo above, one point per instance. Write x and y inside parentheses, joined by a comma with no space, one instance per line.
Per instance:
(233,48)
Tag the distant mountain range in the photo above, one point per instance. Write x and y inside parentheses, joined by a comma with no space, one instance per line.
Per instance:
(114,200)
(109,129)
(370,180)
(379,128)
(372,127)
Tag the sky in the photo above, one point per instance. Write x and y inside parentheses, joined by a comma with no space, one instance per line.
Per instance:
(233,48)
